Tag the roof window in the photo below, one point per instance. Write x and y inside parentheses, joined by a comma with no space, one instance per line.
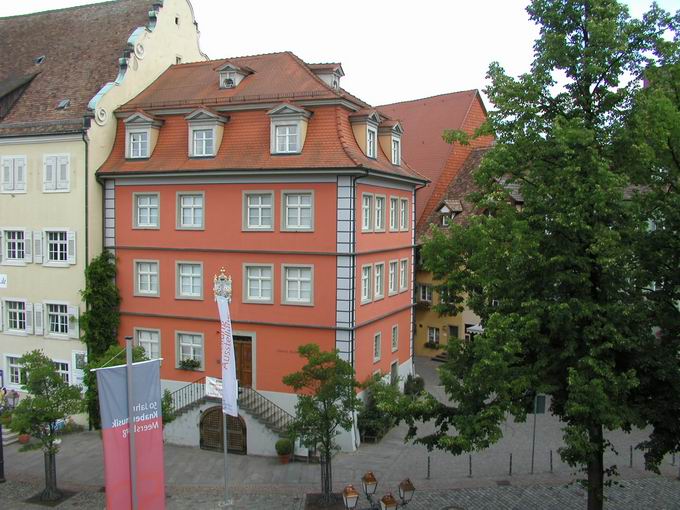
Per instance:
(39,60)
(63,104)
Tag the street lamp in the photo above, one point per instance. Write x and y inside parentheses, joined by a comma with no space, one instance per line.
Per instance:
(350,497)
(406,490)
(388,502)
(369,484)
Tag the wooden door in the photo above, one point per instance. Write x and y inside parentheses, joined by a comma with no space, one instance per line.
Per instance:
(243,347)
(212,432)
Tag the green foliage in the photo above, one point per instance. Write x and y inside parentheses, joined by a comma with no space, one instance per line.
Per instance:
(166,407)
(414,385)
(284,446)
(189,364)
(372,421)
(431,345)
(101,320)
(113,356)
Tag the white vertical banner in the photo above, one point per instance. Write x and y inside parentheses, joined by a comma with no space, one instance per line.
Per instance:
(229,383)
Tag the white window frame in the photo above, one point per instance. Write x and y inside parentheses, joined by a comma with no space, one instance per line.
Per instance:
(139,144)
(377,346)
(403,275)
(394,214)
(180,210)
(139,341)
(284,211)
(203,153)
(247,298)
(8,371)
(366,283)
(433,337)
(393,278)
(141,293)
(178,346)
(378,286)
(289,148)
(47,323)
(64,373)
(246,209)
(5,259)
(26,319)
(395,338)
(371,142)
(13,185)
(403,214)
(46,251)
(379,215)
(179,293)
(396,151)
(367,219)
(136,208)
(285,300)
(55,183)
(425,293)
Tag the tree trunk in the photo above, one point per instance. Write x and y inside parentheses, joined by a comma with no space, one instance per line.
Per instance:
(51,493)
(326,477)
(596,469)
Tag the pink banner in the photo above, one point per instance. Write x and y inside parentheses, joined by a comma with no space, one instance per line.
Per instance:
(148,427)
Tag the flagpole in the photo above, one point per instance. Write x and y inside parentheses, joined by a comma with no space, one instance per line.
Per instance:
(131,425)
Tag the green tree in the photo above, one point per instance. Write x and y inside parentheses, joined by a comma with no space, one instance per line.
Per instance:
(326,403)
(556,282)
(49,399)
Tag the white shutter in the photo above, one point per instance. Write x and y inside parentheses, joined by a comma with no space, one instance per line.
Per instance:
(2,245)
(49,172)
(38,247)
(38,318)
(28,246)
(62,172)
(29,318)
(7,174)
(71,246)
(73,326)
(20,174)
(2,314)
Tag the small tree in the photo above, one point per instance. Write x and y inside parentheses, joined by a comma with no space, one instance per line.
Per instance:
(49,400)
(326,403)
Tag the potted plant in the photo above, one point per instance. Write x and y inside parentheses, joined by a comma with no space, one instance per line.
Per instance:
(24,438)
(284,448)
(189,364)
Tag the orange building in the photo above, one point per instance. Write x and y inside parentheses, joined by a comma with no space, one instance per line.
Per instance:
(265,166)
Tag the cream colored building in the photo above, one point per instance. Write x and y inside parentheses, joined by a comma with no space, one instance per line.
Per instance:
(56,128)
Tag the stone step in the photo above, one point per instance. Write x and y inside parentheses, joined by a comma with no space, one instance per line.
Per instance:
(9,437)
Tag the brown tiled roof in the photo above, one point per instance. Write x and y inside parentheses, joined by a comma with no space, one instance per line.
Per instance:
(81,46)
(424,121)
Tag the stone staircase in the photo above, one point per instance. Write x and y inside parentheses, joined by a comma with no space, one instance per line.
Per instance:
(9,437)
(442,357)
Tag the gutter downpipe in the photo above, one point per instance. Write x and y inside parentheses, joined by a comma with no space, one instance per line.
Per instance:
(86,126)
(413,282)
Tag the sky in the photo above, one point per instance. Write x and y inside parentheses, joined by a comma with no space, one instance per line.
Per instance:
(390,50)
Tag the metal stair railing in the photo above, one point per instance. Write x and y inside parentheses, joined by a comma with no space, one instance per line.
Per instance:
(188,395)
(264,407)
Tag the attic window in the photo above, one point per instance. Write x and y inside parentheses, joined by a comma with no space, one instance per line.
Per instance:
(63,104)
(39,60)
(228,80)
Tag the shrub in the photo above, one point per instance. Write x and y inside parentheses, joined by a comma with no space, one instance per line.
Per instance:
(284,446)
(414,385)
(166,407)
(371,421)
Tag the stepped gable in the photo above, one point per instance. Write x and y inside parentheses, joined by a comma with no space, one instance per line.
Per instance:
(65,54)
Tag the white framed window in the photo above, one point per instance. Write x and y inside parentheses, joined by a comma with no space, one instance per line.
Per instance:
(393,277)
(403,275)
(56,173)
(366,283)
(379,280)
(258,210)
(433,335)
(15,372)
(146,212)
(395,338)
(138,144)
(396,151)
(298,285)
(13,177)
(371,139)
(146,278)
(287,138)
(57,319)
(62,369)
(298,210)
(150,340)
(57,246)
(259,283)
(190,210)
(379,213)
(190,346)
(16,247)
(394,214)
(366,212)
(16,320)
(377,346)
(425,293)
(202,142)
(189,280)
(403,214)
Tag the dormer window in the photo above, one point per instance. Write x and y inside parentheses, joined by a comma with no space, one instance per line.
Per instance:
(371,139)
(288,128)
(139,144)
(389,137)
(141,131)
(448,210)
(329,73)
(203,142)
(231,75)
(365,127)
(396,151)
(228,80)
(205,132)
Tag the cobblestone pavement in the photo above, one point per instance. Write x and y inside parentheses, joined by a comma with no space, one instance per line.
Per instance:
(644,494)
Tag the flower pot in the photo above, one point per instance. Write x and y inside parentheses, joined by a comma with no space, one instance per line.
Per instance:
(24,438)
(284,459)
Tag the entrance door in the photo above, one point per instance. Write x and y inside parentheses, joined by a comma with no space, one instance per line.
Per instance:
(212,433)
(243,347)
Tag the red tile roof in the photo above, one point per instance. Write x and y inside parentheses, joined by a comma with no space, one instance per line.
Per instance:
(81,46)
(424,121)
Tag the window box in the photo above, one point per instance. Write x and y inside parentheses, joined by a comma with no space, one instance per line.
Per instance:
(189,364)
(189,350)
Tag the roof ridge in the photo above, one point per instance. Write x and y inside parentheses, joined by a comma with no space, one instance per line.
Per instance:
(304,65)
(429,97)
(61,9)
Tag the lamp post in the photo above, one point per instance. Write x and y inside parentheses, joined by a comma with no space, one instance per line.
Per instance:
(8,401)
(369,484)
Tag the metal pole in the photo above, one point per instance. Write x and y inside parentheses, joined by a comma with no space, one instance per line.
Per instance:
(428,467)
(2,456)
(533,437)
(131,425)
(631,455)
(551,462)
(470,466)
(227,501)
(510,465)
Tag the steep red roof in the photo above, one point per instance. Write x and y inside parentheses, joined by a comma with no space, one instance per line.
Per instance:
(424,121)
(81,47)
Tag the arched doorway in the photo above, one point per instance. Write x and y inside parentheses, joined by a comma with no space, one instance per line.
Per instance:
(212,435)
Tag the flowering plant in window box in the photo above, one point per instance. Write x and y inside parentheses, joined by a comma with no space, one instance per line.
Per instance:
(431,345)
(189,364)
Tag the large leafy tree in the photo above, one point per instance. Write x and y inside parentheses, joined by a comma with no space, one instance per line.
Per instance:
(326,404)
(49,400)
(558,282)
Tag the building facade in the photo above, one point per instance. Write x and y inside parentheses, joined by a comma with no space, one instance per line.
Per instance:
(264,166)
(56,129)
